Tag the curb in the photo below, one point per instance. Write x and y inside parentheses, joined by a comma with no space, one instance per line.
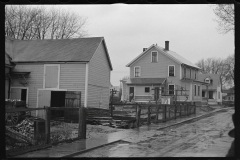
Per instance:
(83,151)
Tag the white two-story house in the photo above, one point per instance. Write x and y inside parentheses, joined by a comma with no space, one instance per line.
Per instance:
(158,73)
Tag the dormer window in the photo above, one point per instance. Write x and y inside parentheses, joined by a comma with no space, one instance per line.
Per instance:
(137,71)
(207,80)
(171,71)
(154,56)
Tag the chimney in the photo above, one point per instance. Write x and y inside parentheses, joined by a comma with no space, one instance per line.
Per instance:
(144,49)
(167,45)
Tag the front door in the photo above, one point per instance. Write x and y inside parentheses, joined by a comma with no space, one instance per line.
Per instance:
(210,94)
(156,93)
(131,93)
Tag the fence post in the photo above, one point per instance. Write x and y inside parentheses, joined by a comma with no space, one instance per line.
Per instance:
(149,115)
(82,123)
(169,109)
(157,110)
(180,114)
(111,109)
(138,116)
(47,125)
(175,111)
(164,113)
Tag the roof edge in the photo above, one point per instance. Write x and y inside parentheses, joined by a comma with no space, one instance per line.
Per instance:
(139,56)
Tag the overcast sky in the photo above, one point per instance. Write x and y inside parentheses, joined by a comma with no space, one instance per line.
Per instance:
(128,29)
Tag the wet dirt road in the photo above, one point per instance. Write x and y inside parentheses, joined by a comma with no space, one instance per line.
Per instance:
(207,137)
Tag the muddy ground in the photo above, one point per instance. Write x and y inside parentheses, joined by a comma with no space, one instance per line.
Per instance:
(207,137)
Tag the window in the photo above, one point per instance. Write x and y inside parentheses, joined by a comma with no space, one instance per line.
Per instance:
(190,73)
(51,76)
(198,90)
(147,89)
(136,71)
(195,90)
(19,93)
(171,71)
(171,89)
(218,95)
(184,72)
(162,91)
(203,93)
(154,56)
(211,81)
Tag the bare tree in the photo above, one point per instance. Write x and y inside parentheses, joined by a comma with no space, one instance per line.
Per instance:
(223,67)
(25,22)
(225,17)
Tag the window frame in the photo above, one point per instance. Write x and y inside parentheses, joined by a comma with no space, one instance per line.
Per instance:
(27,88)
(199,90)
(169,70)
(195,90)
(148,89)
(190,73)
(152,57)
(44,75)
(134,71)
(173,89)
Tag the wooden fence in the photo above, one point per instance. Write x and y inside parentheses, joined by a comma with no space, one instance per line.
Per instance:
(157,112)
(46,130)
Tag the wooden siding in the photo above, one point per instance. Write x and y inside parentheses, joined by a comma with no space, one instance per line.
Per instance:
(99,79)
(34,80)
(98,97)
(72,78)
(155,70)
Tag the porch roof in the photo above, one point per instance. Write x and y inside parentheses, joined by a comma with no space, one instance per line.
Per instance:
(149,81)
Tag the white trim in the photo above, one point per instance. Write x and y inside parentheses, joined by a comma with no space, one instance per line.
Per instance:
(44,74)
(173,88)
(86,86)
(151,57)
(21,88)
(139,71)
(174,70)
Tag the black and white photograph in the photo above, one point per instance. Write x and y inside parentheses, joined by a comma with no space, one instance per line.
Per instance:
(119,80)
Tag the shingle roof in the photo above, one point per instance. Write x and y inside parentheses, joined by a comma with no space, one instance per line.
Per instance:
(78,49)
(52,50)
(145,81)
(173,55)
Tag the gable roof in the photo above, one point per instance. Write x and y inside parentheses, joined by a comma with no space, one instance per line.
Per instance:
(172,55)
(57,50)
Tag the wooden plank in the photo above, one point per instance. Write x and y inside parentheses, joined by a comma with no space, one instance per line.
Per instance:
(149,115)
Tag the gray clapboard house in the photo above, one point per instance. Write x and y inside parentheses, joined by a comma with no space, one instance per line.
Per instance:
(46,69)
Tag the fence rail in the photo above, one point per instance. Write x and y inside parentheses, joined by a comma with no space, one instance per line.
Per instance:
(155,112)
